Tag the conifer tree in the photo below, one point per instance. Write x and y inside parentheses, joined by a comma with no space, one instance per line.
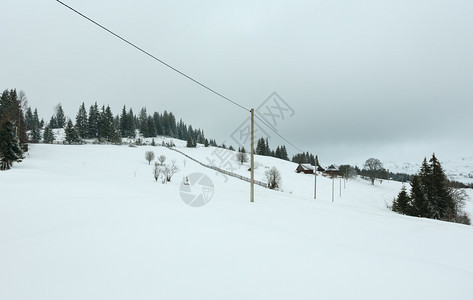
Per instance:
(419,201)
(29,119)
(60,117)
(10,150)
(401,203)
(93,121)
(159,126)
(143,123)
(72,137)
(82,123)
(151,127)
(48,135)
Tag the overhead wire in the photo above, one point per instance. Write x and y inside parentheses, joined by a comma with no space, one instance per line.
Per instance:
(176,70)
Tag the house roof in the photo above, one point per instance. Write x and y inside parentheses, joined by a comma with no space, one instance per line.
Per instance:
(332,168)
(307,167)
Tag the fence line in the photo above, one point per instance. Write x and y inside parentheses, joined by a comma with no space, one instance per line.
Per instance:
(260,183)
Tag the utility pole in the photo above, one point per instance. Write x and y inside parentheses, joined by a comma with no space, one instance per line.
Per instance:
(315,179)
(333,185)
(252,150)
(340,186)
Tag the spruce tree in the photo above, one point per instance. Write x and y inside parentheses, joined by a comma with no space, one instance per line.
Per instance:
(60,117)
(72,136)
(29,119)
(10,150)
(402,203)
(442,199)
(82,123)
(159,126)
(93,121)
(284,153)
(48,135)
(261,147)
(419,201)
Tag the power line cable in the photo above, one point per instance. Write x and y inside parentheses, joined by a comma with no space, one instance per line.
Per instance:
(286,140)
(154,57)
(176,70)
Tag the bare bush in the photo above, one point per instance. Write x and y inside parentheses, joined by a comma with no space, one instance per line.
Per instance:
(157,170)
(274,178)
(170,170)
(161,159)
(241,157)
(149,156)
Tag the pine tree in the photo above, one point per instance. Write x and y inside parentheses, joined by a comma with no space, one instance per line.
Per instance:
(159,126)
(29,119)
(10,150)
(143,123)
(401,203)
(172,125)
(82,123)
(11,109)
(190,142)
(48,135)
(35,127)
(72,136)
(284,153)
(53,122)
(93,121)
(60,117)
(420,207)
(442,200)
(151,127)
(261,147)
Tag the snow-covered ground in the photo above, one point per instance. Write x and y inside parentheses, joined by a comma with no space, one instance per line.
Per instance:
(90,222)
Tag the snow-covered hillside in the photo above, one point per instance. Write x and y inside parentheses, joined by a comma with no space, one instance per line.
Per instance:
(90,222)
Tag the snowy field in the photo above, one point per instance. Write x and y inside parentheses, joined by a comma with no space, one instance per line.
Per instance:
(90,222)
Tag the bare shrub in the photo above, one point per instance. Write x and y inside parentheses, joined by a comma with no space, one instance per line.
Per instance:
(274,178)
(149,156)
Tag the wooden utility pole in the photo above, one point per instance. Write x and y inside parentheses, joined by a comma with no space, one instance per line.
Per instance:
(333,185)
(340,186)
(315,179)
(252,151)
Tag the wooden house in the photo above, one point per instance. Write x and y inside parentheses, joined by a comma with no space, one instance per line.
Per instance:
(305,168)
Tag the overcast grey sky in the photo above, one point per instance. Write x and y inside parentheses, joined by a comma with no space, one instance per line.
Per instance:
(385,79)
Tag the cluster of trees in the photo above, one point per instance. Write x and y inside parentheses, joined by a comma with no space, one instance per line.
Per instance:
(305,158)
(99,123)
(262,148)
(431,196)
(372,169)
(12,128)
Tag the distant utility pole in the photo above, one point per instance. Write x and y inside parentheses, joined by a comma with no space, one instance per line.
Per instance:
(252,150)
(315,179)
(333,185)
(340,186)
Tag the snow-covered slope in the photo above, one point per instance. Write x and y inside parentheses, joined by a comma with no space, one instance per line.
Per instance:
(90,222)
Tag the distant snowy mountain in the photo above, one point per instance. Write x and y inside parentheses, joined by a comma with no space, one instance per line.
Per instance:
(459,169)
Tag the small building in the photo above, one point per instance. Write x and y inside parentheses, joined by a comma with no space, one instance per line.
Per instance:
(305,168)
(331,171)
